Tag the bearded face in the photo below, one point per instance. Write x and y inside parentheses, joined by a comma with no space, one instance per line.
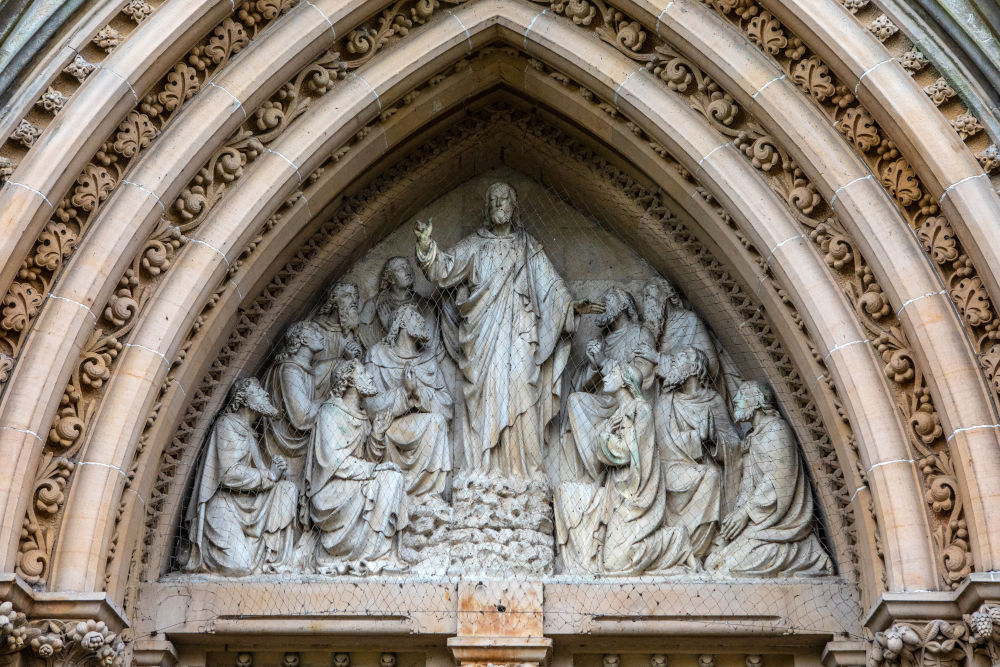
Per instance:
(683,367)
(613,308)
(501,205)
(363,382)
(347,307)
(259,401)
(417,328)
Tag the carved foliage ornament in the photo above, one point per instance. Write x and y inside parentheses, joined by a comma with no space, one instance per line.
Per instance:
(73,644)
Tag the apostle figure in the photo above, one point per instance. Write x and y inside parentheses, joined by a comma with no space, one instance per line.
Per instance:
(395,289)
(411,407)
(290,384)
(621,334)
(672,324)
(770,530)
(338,317)
(514,314)
(243,514)
(617,526)
(358,506)
(698,445)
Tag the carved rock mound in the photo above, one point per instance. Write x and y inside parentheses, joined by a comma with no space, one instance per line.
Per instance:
(503,527)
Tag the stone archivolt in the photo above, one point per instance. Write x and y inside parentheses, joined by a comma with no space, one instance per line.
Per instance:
(908,360)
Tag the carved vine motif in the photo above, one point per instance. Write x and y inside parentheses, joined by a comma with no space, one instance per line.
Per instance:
(984,631)
(787,178)
(938,643)
(66,643)
(74,213)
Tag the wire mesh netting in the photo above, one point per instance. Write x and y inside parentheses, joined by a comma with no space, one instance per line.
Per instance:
(516,388)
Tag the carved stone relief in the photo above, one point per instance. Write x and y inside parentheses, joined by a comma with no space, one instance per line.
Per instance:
(374,458)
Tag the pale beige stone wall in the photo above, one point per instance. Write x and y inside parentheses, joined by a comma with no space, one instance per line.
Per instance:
(60,523)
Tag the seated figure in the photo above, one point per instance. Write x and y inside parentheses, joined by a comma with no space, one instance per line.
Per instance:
(698,446)
(617,526)
(587,407)
(243,512)
(411,407)
(770,530)
(357,506)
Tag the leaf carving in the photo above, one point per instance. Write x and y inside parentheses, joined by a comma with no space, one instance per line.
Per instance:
(938,239)
(766,32)
(227,40)
(972,301)
(55,243)
(901,181)
(182,84)
(134,134)
(19,306)
(814,76)
(859,128)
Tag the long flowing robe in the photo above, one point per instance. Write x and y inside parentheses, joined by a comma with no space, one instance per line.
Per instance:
(685,327)
(699,454)
(514,312)
(779,539)
(291,387)
(357,509)
(586,411)
(617,526)
(417,439)
(242,517)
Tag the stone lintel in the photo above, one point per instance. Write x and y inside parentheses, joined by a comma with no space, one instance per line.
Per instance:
(60,605)
(502,650)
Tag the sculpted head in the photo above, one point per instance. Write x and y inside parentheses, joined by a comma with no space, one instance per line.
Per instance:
(501,206)
(407,318)
(387,660)
(342,299)
(244,659)
(618,302)
(352,374)
(341,660)
(617,375)
(658,660)
(687,362)
(304,335)
(397,272)
(290,660)
(611,660)
(751,397)
(247,393)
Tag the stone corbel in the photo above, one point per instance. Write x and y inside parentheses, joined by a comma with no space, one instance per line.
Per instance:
(59,629)
(938,628)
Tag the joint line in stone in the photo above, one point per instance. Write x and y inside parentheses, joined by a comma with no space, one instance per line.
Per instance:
(857,491)
(847,185)
(75,303)
(918,298)
(31,189)
(23,430)
(709,154)
(149,349)
(369,86)
(842,346)
(885,463)
(614,100)
(308,208)
(817,380)
(771,254)
(178,384)
(299,175)
(761,89)
(468,35)
(104,465)
(147,191)
(957,183)
(325,18)
(127,82)
(660,17)
(235,99)
(129,487)
(209,245)
(977,427)
(867,72)
(530,26)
